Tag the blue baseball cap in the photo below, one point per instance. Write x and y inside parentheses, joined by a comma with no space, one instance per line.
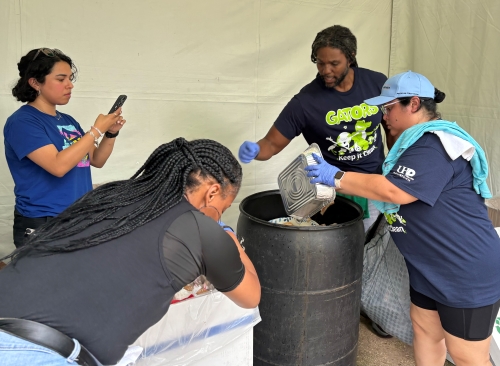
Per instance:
(406,84)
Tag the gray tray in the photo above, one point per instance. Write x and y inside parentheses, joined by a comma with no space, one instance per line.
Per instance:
(301,198)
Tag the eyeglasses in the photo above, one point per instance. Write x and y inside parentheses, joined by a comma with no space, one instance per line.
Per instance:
(384,109)
(50,52)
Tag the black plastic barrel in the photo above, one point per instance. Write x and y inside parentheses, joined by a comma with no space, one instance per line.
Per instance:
(311,282)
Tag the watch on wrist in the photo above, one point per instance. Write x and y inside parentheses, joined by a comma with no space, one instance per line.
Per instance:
(110,135)
(338,177)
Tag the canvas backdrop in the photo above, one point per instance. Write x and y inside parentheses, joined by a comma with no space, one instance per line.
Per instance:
(224,69)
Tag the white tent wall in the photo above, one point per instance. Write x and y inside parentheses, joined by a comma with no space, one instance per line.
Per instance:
(216,69)
(224,70)
(455,43)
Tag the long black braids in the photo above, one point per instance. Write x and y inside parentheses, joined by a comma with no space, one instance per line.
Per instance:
(171,170)
(339,37)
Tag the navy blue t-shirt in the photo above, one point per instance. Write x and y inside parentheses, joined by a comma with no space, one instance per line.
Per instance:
(450,246)
(39,193)
(346,129)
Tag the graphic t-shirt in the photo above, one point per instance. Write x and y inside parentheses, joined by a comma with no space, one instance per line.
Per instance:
(39,193)
(346,129)
(450,246)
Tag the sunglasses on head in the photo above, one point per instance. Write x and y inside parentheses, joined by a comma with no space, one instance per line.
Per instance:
(50,52)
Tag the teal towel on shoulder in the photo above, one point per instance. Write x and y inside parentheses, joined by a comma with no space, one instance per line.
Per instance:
(411,135)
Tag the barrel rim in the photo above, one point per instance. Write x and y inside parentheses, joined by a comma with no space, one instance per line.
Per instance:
(300,228)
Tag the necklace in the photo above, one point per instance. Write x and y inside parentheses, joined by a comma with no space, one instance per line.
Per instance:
(58,116)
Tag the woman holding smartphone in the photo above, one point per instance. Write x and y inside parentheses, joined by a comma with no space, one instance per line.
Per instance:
(48,153)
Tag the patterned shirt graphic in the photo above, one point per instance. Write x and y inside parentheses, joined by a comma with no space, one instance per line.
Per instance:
(357,141)
(72,135)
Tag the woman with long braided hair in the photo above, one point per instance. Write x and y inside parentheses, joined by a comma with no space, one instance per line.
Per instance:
(106,269)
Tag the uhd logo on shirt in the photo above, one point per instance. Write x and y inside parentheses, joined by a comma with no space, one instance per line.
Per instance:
(405,173)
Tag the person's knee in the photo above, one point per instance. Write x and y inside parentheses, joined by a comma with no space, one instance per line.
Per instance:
(427,329)
(420,331)
(463,357)
(469,353)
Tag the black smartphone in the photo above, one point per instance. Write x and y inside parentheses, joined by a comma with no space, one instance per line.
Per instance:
(119,102)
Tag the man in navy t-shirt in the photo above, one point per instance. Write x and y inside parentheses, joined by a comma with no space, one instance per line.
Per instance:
(346,129)
(330,111)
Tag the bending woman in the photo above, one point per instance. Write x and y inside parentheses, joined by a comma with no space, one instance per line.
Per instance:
(432,194)
(107,268)
(48,153)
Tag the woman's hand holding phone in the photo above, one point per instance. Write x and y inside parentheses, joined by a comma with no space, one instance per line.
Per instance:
(117,110)
(113,121)
(110,122)
(117,126)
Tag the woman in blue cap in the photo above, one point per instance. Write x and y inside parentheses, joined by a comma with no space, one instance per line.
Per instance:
(432,193)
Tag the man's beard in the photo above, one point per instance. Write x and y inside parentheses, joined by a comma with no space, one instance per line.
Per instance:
(340,79)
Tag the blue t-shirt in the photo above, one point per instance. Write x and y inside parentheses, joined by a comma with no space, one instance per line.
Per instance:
(450,246)
(39,193)
(346,129)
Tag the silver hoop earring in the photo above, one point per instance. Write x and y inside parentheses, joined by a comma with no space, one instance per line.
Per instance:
(38,93)
(215,208)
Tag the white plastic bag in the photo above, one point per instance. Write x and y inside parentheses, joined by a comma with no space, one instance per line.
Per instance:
(193,329)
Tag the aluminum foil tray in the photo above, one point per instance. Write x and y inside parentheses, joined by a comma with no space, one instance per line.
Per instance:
(301,198)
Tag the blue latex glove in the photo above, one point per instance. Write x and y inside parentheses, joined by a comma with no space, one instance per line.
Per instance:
(248,151)
(225,227)
(323,172)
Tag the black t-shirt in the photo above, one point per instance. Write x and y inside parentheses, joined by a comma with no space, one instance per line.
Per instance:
(207,251)
(107,295)
(346,129)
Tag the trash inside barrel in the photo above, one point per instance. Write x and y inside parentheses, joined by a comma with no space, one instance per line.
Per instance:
(310,278)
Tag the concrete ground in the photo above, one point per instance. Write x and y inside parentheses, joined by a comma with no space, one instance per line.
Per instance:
(376,351)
